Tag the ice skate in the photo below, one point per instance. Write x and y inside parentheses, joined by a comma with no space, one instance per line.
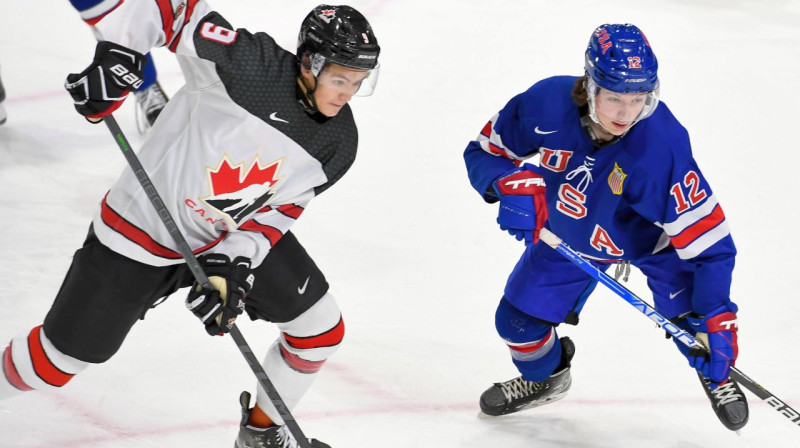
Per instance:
(273,436)
(729,403)
(518,394)
(149,104)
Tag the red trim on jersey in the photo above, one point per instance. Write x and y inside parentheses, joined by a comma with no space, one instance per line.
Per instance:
(116,222)
(167,18)
(300,364)
(487,130)
(10,371)
(697,229)
(329,338)
(532,347)
(44,368)
(93,21)
(189,11)
(265,209)
(269,232)
(499,151)
(291,210)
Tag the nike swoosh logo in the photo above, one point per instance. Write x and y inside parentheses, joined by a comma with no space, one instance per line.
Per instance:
(673,295)
(301,290)
(539,131)
(274,117)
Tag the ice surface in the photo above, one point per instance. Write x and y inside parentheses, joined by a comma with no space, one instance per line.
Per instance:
(413,255)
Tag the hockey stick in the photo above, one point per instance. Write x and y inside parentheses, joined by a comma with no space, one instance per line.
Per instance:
(561,247)
(201,277)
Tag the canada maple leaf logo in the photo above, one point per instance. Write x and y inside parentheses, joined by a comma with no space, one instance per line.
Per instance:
(237,192)
(327,15)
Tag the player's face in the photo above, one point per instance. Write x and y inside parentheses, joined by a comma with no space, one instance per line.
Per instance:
(618,111)
(336,85)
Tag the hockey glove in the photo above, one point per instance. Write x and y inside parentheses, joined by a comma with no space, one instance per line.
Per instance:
(218,309)
(717,331)
(523,205)
(103,86)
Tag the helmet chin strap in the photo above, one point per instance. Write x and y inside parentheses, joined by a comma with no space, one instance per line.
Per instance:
(306,95)
(310,95)
(587,126)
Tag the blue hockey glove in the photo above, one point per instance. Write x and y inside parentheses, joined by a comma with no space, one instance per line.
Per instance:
(219,308)
(717,331)
(523,205)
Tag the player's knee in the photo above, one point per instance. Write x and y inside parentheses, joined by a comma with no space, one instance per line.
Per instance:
(307,341)
(514,326)
(31,362)
(532,343)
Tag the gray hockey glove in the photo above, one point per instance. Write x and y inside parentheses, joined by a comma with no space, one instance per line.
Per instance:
(218,309)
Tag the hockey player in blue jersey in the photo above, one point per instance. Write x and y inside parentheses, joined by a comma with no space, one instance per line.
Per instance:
(617,181)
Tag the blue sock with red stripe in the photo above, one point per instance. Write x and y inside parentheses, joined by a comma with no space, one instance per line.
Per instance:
(534,345)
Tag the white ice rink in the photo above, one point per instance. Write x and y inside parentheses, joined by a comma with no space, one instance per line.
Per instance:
(413,255)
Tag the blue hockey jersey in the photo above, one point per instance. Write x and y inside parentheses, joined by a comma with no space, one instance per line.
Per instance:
(627,200)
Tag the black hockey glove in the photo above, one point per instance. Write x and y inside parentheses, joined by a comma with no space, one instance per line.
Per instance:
(218,309)
(103,86)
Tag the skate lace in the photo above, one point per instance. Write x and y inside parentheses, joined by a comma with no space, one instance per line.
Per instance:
(148,100)
(726,394)
(285,438)
(518,388)
(151,98)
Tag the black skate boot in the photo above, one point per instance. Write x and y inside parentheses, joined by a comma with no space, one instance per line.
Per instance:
(273,436)
(729,403)
(518,394)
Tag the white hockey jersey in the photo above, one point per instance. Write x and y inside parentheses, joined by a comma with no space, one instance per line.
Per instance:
(234,155)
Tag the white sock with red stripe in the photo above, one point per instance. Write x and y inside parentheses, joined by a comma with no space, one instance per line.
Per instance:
(293,361)
(32,362)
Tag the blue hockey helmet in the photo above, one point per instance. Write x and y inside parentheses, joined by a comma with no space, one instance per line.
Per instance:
(619,58)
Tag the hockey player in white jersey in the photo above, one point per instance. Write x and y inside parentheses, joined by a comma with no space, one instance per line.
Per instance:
(237,154)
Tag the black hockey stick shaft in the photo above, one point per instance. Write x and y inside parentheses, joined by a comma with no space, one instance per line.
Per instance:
(201,277)
(687,339)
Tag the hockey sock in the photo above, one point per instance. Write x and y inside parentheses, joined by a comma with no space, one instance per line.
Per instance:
(259,419)
(32,362)
(533,344)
